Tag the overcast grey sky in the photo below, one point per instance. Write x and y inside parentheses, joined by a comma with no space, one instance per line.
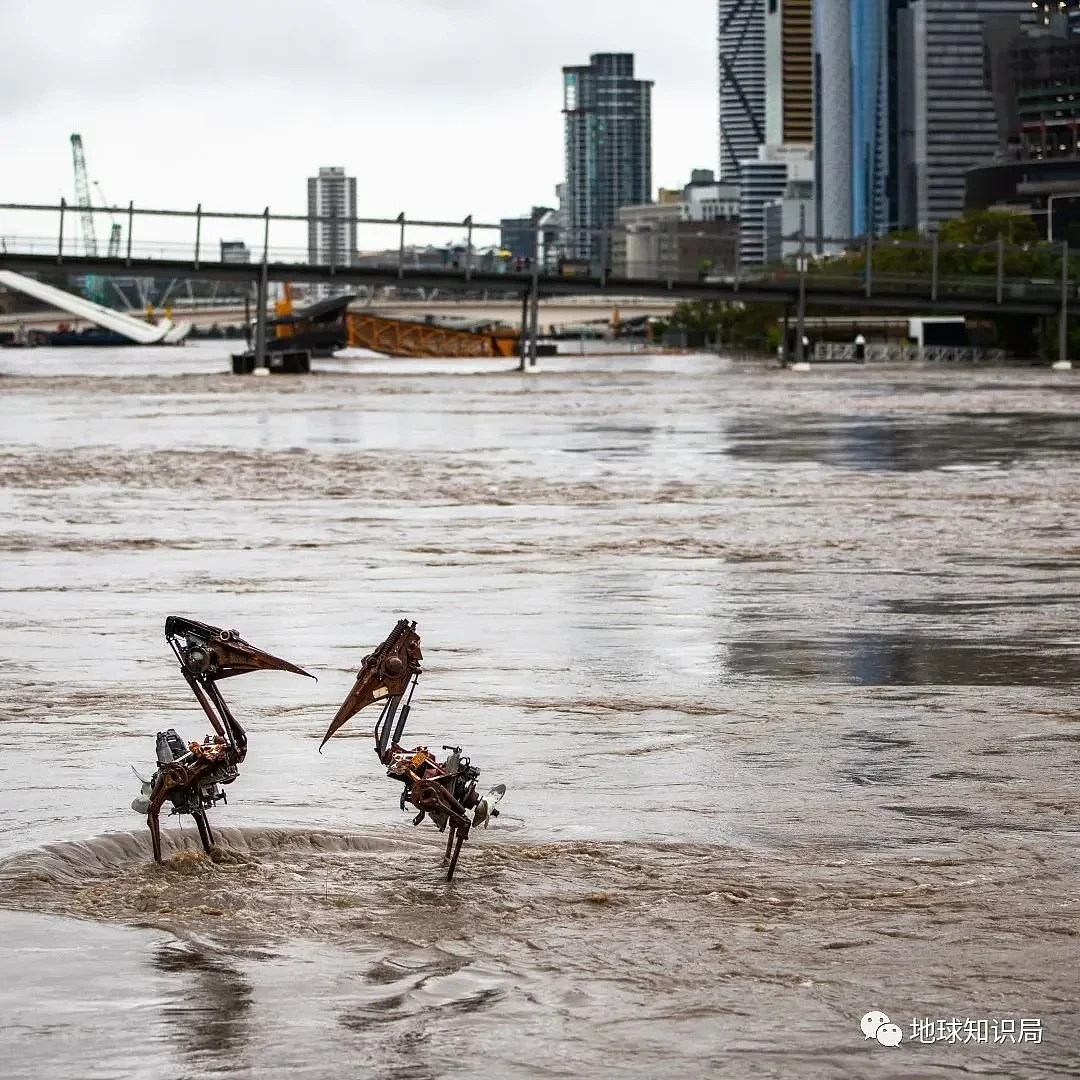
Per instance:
(439,107)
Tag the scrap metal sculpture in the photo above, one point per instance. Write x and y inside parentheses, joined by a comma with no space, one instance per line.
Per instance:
(192,776)
(445,791)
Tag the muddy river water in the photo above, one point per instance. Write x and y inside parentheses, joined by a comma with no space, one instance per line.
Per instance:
(780,671)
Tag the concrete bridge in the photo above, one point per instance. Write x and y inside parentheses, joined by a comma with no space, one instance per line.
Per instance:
(556,312)
(852,286)
(784,286)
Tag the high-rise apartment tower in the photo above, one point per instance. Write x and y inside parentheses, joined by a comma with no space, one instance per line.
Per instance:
(608,116)
(332,195)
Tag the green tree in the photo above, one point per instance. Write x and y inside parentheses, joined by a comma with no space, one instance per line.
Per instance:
(968,253)
(751,326)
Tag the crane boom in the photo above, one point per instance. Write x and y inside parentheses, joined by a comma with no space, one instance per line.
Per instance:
(82,196)
(114,228)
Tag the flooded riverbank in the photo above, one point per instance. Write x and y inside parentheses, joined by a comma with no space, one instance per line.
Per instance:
(779,668)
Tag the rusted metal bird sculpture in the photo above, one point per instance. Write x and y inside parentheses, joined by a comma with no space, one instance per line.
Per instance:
(191,776)
(445,791)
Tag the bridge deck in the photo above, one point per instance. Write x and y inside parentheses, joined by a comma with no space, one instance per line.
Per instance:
(961,296)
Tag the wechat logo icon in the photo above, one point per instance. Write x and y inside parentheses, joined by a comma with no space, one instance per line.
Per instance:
(876,1025)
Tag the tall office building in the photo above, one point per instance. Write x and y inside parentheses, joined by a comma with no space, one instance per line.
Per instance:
(789,93)
(1033,73)
(869,117)
(766,106)
(851,117)
(331,195)
(945,120)
(608,117)
(741,63)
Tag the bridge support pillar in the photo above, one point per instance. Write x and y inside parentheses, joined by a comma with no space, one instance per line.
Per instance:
(800,311)
(1063,316)
(260,320)
(523,339)
(263,296)
(534,316)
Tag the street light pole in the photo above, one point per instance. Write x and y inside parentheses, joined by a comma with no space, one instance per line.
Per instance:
(800,310)
(1050,210)
(1063,318)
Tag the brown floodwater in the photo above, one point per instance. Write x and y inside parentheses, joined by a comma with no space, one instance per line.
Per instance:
(780,670)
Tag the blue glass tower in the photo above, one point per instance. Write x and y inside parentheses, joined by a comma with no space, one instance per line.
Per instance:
(851,116)
(869,116)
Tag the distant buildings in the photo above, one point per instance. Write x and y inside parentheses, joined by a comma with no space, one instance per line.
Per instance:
(517,236)
(331,197)
(558,221)
(608,117)
(645,245)
(689,233)
(845,118)
(1034,80)
(946,120)
(530,237)
(768,180)
(902,109)
(765,74)
(785,217)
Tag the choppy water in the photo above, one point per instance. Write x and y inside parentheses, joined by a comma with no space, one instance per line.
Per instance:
(780,671)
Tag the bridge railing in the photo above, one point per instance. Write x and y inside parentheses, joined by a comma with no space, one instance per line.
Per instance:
(892,352)
(652,244)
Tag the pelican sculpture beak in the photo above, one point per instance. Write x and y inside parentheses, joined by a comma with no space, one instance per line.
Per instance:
(384,674)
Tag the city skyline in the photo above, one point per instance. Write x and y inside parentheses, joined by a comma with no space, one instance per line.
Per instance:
(418,102)
(454,139)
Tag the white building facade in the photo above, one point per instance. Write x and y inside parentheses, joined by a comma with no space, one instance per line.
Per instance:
(331,195)
(765,180)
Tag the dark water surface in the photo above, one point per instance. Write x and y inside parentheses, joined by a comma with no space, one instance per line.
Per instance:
(780,670)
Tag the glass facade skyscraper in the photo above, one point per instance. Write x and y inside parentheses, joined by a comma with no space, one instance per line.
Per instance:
(608,116)
(832,118)
(851,116)
(902,108)
(869,116)
(945,118)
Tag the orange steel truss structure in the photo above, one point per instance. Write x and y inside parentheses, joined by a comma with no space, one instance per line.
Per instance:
(403,337)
